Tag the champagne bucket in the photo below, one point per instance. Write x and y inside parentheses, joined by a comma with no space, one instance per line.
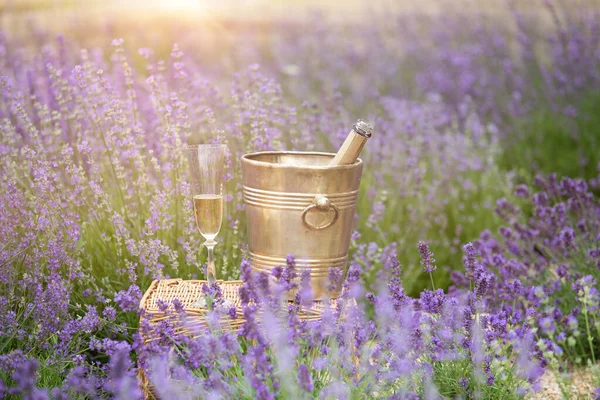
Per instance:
(298,205)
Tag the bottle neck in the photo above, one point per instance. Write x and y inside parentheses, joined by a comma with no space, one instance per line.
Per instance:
(352,146)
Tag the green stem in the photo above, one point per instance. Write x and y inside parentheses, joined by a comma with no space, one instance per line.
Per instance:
(381,234)
(589,335)
(580,345)
(176,205)
(431,277)
(514,304)
(112,166)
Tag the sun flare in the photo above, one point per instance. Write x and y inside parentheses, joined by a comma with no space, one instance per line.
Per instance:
(182,5)
(171,5)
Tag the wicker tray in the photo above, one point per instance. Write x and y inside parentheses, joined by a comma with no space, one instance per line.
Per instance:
(188,292)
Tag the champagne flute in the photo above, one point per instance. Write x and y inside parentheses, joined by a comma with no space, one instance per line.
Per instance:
(207,163)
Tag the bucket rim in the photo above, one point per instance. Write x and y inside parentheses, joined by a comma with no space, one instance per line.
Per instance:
(248,158)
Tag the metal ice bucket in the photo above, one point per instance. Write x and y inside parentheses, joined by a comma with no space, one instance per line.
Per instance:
(296,204)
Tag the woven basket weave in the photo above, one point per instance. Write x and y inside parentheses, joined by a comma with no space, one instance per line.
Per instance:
(188,292)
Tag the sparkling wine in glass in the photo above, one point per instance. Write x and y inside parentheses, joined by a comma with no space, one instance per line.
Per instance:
(207,164)
(208,210)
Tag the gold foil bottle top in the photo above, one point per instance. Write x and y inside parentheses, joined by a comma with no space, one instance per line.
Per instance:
(356,139)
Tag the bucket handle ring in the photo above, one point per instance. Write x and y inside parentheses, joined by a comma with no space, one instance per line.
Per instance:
(321,203)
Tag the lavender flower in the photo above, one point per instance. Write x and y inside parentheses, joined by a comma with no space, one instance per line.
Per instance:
(304,378)
(427,260)
(522,191)
(432,301)
(129,300)
(470,261)
(335,278)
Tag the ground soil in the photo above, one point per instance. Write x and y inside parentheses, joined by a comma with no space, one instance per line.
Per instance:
(579,384)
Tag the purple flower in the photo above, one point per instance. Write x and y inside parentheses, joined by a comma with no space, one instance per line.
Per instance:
(232,312)
(129,300)
(248,290)
(286,275)
(396,290)
(562,270)
(352,285)
(482,282)
(371,298)
(567,238)
(304,378)
(121,381)
(335,279)
(178,306)
(427,260)
(109,313)
(305,294)
(25,377)
(162,305)
(470,260)
(214,293)
(522,191)
(432,301)
(80,381)
(547,325)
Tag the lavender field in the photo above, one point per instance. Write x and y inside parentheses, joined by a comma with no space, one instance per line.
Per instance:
(475,259)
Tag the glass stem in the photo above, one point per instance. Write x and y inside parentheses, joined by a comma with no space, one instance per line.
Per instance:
(211,272)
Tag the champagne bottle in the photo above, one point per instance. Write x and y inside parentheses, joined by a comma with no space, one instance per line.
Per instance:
(356,139)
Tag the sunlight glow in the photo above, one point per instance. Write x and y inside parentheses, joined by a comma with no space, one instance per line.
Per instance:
(172,5)
(182,5)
